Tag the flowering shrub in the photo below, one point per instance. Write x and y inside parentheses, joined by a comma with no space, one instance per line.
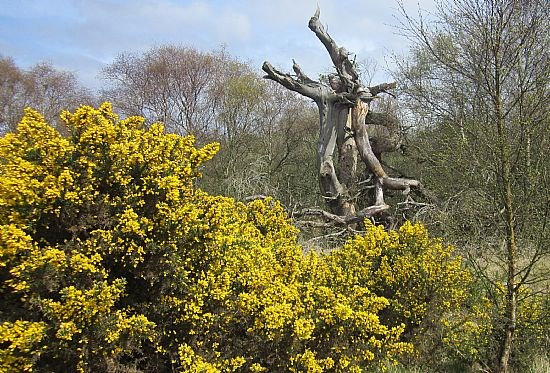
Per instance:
(111,260)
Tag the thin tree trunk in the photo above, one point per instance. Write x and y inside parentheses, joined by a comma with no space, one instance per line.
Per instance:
(511,244)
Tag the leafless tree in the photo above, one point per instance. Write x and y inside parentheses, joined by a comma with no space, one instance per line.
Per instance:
(343,104)
(41,87)
(178,86)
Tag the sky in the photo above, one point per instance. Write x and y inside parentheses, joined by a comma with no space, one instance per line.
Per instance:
(82,36)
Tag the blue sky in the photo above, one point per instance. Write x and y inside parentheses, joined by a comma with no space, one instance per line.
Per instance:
(82,36)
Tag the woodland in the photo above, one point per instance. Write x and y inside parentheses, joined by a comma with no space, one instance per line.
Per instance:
(199,214)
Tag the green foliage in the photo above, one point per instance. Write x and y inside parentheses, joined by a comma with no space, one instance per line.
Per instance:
(532,325)
(112,260)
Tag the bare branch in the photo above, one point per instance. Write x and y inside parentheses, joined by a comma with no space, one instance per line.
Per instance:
(382,88)
(302,77)
(338,55)
(340,220)
(359,112)
(309,89)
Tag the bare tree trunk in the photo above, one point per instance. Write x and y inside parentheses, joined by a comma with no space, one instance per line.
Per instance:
(347,160)
(332,189)
(333,114)
(338,130)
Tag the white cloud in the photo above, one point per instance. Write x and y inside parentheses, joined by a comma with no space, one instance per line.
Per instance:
(80,33)
(232,26)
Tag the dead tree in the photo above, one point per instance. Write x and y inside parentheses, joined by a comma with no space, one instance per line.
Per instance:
(343,104)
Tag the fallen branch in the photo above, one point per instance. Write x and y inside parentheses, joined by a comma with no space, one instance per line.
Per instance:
(338,220)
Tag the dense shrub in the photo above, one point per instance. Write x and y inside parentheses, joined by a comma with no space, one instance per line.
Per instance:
(111,260)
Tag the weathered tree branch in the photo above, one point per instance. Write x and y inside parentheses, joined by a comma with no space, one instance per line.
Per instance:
(339,56)
(343,220)
(311,89)
(382,88)
(302,77)
(359,112)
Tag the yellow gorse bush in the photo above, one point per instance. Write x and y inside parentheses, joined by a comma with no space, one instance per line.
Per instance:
(111,259)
